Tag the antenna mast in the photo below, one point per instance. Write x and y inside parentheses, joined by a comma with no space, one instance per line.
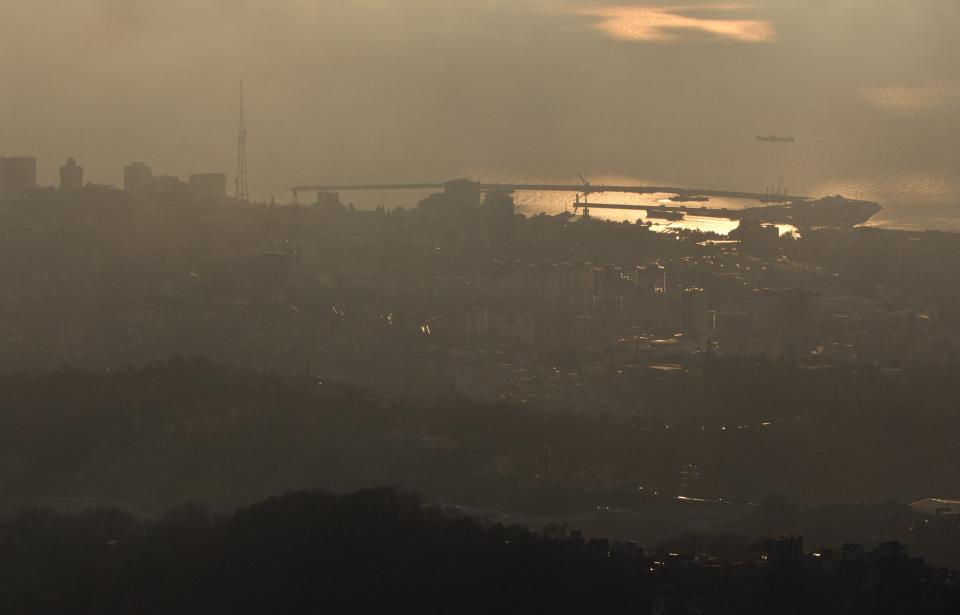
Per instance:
(241,182)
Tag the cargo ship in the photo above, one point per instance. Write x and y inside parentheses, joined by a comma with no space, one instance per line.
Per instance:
(776,139)
(833,211)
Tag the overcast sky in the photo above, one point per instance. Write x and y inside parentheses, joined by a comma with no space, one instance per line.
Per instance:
(365,90)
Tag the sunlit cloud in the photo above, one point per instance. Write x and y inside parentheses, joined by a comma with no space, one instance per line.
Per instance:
(914,99)
(670,24)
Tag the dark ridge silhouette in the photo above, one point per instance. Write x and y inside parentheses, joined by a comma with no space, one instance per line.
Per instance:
(382,551)
(189,429)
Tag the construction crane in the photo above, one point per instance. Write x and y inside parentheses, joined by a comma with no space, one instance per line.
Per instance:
(586,196)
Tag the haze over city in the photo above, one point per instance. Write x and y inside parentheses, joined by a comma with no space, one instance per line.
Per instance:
(502,306)
(424,90)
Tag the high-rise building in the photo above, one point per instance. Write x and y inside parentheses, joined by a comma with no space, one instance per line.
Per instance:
(71,176)
(783,316)
(17,175)
(499,204)
(546,283)
(498,284)
(610,284)
(499,219)
(651,278)
(733,331)
(462,193)
(693,313)
(137,177)
(208,185)
(329,202)
(579,285)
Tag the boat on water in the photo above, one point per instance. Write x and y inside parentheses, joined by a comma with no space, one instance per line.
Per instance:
(693,198)
(662,213)
(776,139)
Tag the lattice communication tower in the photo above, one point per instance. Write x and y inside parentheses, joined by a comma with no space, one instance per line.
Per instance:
(242,192)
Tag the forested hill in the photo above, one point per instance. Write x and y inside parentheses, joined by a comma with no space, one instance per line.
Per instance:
(190,430)
(381,551)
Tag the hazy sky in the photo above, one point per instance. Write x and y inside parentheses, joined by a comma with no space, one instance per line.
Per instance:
(348,90)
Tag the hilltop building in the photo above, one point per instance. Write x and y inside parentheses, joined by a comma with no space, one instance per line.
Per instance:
(208,185)
(17,175)
(71,176)
(137,177)
(329,202)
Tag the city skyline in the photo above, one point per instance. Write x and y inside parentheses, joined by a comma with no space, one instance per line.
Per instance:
(605,106)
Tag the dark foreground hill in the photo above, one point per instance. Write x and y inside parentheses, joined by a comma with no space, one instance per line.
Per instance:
(381,551)
(192,430)
(150,437)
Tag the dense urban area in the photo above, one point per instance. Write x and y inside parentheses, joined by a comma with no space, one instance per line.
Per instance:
(681,394)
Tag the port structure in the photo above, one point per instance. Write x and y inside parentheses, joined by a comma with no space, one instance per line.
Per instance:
(677,210)
(779,207)
(585,188)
